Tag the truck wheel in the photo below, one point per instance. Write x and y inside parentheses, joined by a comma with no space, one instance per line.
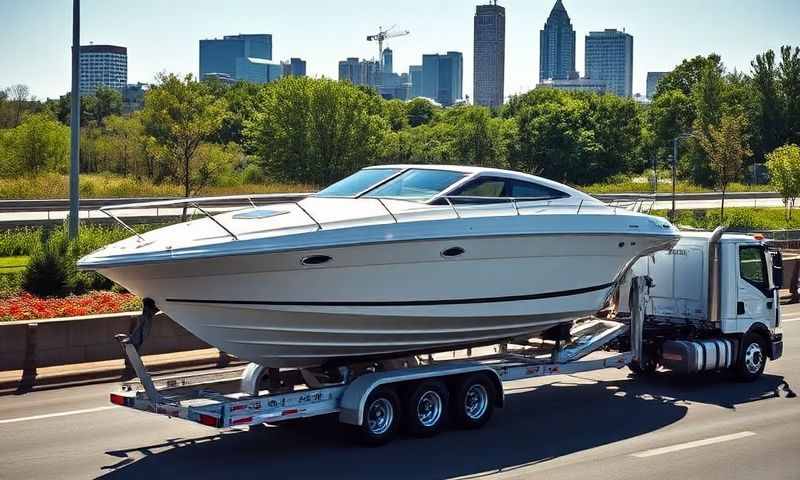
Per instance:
(645,368)
(381,417)
(426,408)
(473,401)
(752,357)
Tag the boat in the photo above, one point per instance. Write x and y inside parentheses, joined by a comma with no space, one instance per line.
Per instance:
(389,262)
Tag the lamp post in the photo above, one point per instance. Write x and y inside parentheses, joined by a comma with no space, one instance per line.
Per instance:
(75,122)
(675,142)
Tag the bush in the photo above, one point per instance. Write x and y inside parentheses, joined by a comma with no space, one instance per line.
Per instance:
(253,174)
(51,270)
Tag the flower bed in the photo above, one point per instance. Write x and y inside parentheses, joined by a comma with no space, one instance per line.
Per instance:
(28,307)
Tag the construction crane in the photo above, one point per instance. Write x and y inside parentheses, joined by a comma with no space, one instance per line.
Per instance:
(383,35)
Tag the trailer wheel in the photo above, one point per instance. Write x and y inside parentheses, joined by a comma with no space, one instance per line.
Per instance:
(752,357)
(473,401)
(645,368)
(426,408)
(381,417)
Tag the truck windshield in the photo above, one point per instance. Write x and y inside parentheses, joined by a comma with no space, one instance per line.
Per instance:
(358,182)
(416,184)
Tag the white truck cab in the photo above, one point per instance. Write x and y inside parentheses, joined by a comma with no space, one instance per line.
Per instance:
(715,297)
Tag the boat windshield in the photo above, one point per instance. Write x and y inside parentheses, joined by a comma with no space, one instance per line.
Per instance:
(416,184)
(358,182)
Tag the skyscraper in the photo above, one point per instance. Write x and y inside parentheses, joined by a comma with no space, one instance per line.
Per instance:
(490,54)
(295,67)
(388,66)
(415,77)
(442,77)
(557,46)
(652,82)
(241,57)
(609,57)
(359,72)
(103,65)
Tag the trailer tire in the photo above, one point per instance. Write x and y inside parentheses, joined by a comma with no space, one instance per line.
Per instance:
(426,408)
(646,368)
(381,417)
(473,401)
(752,357)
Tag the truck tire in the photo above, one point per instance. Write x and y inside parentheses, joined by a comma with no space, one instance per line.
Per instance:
(426,408)
(646,368)
(381,417)
(473,401)
(752,357)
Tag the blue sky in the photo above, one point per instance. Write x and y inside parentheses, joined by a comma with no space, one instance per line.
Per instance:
(163,35)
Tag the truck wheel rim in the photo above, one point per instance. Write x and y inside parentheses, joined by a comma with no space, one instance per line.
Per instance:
(753,357)
(475,401)
(380,416)
(429,408)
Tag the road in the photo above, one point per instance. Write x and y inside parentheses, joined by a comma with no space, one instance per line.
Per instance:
(599,425)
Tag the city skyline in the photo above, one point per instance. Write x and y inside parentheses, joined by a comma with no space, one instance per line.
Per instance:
(36,42)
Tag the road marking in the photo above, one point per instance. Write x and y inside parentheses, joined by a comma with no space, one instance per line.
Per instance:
(59,414)
(695,444)
(790,320)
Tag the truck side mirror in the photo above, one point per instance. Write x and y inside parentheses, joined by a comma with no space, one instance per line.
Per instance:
(777,269)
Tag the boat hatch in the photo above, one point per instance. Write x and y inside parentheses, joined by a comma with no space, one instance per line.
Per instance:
(258,214)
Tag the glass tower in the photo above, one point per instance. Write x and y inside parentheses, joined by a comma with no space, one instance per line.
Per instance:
(557,46)
(489,57)
(609,57)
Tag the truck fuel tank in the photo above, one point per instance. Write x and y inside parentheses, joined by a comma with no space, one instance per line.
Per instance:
(692,356)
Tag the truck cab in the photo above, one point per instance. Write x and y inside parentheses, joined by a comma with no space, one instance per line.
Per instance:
(712,287)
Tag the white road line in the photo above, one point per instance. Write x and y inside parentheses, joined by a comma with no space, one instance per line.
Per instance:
(59,414)
(695,444)
(790,320)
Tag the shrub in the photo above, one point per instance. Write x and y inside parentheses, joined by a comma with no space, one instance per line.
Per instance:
(51,270)
(253,174)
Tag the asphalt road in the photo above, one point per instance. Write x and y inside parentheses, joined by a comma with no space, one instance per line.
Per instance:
(599,425)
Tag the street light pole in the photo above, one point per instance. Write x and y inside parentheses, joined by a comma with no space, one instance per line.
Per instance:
(674,173)
(75,122)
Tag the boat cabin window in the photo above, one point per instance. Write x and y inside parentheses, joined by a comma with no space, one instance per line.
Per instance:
(358,182)
(416,184)
(489,189)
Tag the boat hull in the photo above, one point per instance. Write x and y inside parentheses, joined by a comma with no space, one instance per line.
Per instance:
(388,299)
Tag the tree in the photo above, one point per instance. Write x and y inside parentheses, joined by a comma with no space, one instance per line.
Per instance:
(39,143)
(784,170)
(726,147)
(316,130)
(789,82)
(179,114)
(18,96)
(419,111)
(769,116)
(686,75)
(394,111)
(107,101)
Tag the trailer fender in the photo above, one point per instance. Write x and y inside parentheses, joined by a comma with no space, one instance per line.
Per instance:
(355,396)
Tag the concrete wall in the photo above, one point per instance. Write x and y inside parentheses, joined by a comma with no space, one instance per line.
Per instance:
(64,341)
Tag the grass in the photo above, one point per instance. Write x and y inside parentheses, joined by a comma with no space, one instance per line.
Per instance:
(53,185)
(13,264)
(630,186)
(736,218)
(26,241)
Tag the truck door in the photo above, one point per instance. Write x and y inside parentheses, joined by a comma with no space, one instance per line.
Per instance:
(755,295)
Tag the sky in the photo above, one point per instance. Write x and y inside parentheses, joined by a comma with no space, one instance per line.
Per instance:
(163,35)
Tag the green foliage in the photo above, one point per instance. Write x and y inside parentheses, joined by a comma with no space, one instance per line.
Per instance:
(37,144)
(420,111)
(315,131)
(51,270)
(179,115)
(688,74)
(751,220)
(784,169)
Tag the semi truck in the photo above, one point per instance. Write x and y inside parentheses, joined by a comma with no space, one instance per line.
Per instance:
(710,303)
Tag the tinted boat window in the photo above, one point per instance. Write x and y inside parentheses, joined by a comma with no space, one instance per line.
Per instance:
(521,189)
(494,188)
(358,182)
(417,184)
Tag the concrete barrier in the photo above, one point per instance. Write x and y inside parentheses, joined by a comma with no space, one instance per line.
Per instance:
(28,345)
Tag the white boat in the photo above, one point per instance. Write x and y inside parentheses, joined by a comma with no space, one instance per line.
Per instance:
(390,261)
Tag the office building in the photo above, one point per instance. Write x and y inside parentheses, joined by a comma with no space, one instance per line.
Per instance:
(575,85)
(103,65)
(490,53)
(557,46)
(415,77)
(133,96)
(359,72)
(387,61)
(442,77)
(652,82)
(294,67)
(240,57)
(609,57)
